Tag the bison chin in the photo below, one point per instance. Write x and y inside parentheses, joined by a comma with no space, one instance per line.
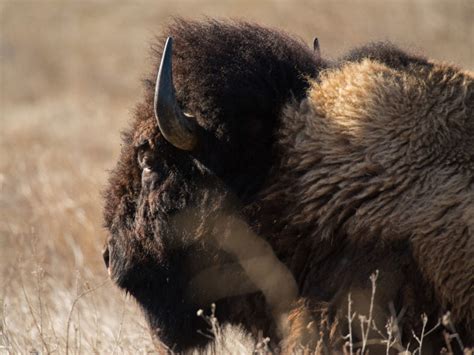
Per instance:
(172,321)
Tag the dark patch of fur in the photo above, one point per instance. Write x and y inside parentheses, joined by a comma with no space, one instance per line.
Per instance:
(235,77)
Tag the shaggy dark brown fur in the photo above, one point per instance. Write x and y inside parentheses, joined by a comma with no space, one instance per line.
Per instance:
(370,165)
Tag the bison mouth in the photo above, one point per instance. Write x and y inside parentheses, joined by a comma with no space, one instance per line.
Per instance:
(172,320)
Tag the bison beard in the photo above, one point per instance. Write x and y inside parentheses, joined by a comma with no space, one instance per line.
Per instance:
(279,182)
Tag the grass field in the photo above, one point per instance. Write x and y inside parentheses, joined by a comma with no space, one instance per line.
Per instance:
(70,75)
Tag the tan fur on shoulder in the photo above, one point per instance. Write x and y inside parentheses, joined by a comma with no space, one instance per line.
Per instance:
(381,161)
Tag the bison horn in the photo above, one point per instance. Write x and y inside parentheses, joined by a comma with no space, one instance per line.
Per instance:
(175,126)
(316,49)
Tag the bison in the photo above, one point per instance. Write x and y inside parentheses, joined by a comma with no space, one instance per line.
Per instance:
(262,178)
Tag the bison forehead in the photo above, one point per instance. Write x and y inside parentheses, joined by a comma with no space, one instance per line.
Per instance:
(145,130)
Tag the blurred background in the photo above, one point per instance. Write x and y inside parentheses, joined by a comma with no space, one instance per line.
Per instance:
(70,73)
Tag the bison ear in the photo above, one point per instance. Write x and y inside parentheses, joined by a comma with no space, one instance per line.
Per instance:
(316,49)
(176,127)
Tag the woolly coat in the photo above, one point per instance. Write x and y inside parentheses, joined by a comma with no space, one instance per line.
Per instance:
(376,171)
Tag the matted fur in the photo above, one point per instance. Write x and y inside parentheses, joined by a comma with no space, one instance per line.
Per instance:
(343,168)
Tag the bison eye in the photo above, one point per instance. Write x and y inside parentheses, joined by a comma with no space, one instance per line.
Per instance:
(143,155)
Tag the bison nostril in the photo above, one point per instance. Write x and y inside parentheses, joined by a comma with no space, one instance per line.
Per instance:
(106,256)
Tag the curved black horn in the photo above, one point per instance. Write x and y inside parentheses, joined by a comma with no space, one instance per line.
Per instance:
(177,129)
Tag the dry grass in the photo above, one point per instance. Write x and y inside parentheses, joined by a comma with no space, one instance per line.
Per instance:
(69,75)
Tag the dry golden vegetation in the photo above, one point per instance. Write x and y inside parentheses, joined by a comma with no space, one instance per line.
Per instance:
(70,74)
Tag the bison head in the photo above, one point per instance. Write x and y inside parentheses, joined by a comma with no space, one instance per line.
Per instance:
(198,150)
